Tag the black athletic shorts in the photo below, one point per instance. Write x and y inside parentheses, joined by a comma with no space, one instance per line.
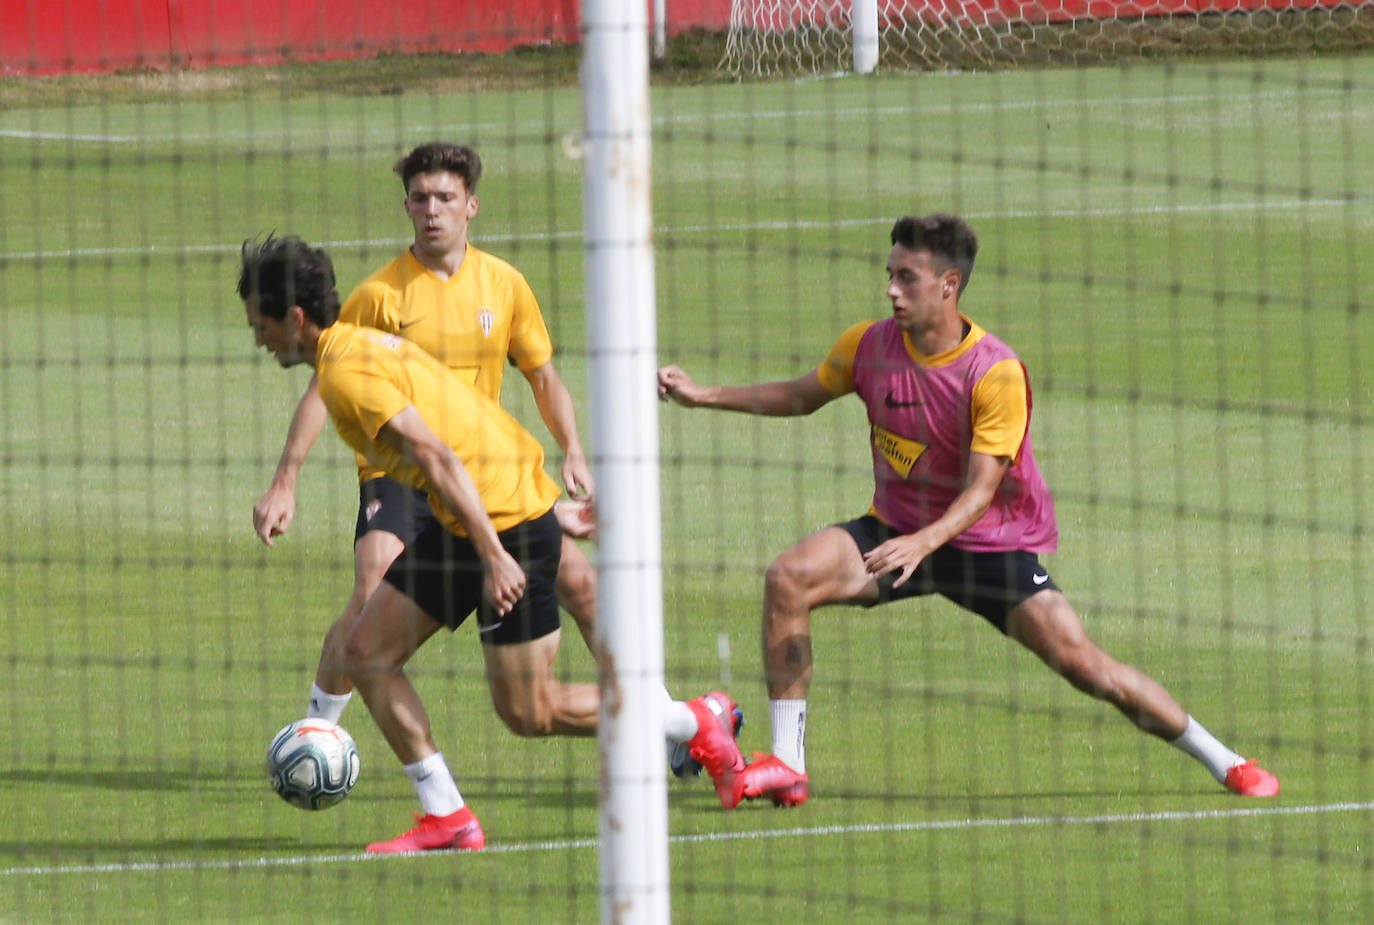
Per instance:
(991,584)
(440,571)
(386,504)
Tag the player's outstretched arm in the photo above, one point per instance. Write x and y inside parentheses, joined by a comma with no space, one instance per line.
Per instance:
(789,398)
(556,408)
(274,511)
(445,473)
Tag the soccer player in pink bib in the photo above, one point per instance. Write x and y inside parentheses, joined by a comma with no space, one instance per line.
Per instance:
(959,507)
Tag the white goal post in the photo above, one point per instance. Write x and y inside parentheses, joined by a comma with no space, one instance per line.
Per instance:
(622,362)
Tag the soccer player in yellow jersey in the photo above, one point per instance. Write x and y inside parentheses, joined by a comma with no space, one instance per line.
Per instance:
(492,547)
(475,313)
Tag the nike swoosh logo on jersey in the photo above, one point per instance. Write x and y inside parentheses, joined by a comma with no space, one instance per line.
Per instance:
(892,403)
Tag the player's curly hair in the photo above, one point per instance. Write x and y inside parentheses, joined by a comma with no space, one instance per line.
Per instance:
(948,238)
(281,272)
(441,157)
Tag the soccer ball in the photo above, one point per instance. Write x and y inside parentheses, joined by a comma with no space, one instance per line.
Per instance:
(313,763)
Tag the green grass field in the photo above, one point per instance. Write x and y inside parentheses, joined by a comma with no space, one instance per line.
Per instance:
(1178,253)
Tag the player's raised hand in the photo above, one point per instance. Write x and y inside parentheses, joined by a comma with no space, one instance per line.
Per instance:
(273,513)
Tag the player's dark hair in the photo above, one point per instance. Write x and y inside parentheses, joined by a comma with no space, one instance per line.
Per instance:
(441,157)
(949,239)
(281,272)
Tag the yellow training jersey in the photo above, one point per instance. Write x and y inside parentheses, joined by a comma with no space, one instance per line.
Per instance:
(473,322)
(367,377)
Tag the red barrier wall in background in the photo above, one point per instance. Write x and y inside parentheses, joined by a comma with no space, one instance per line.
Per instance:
(67,36)
(47,37)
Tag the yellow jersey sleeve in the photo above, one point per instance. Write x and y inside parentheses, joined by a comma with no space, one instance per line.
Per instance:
(530,344)
(361,387)
(372,304)
(1000,409)
(837,372)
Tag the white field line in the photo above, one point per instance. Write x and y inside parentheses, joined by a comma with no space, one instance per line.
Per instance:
(1013,214)
(934,825)
(66,136)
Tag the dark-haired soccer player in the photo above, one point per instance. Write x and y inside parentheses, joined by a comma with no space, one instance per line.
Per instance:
(475,313)
(492,547)
(959,506)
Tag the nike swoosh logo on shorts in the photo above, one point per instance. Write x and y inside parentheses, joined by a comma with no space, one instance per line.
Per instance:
(487,629)
(1040,579)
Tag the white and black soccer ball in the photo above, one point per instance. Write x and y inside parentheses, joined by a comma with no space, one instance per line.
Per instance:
(313,763)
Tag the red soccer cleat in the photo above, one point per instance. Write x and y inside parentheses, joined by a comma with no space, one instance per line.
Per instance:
(714,745)
(460,831)
(1251,780)
(768,775)
(680,760)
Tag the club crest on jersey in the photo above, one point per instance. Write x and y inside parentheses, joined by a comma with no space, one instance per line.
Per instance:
(389,341)
(487,320)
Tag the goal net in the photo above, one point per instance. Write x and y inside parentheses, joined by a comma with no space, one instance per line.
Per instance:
(1177,249)
(801,37)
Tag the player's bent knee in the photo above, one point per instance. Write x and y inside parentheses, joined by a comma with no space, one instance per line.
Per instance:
(364,655)
(526,719)
(353,653)
(577,591)
(788,578)
(822,569)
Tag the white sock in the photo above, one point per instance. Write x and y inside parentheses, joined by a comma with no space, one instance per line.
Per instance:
(679,722)
(435,786)
(789,732)
(324,705)
(1204,746)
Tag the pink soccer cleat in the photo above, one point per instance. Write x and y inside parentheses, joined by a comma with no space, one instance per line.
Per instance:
(768,775)
(1251,780)
(680,760)
(460,831)
(714,745)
